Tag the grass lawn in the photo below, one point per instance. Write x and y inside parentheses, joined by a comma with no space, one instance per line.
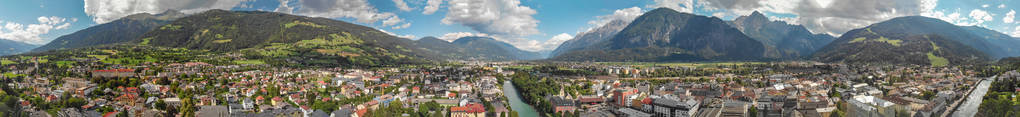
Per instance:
(936,60)
(100,57)
(64,64)
(7,62)
(255,62)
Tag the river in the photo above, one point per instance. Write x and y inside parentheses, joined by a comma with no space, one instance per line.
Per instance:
(973,101)
(523,109)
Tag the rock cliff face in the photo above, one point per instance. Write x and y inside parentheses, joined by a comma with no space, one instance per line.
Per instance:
(594,36)
(667,35)
(781,39)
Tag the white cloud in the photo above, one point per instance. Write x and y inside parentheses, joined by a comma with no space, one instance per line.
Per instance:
(392,21)
(1016,31)
(284,7)
(626,15)
(526,44)
(826,16)
(405,25)
(360,10)
(985,6)
(357,9)
(457,35)
(824,3)
(497,17)
(30,33)
(739,7)
(928,6)
(843,15)
(402,5)
(954,18)
(685,6)
(1002,6)
(103,11)
(521,43)
(431,6)
(981,16)
(407,36)
(552,43)
(719,14)
(398,35)
(788,20)
(1009,17)
(533,45)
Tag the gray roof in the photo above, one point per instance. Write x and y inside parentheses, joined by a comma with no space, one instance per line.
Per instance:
(319,113)
(342,113)
(213,111)
(633,113)
(559,101)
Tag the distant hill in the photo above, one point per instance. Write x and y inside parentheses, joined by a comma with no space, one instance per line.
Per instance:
(594,36)
(782,40)
(486,48)
(126,29)
(1010,45)
(667,35)
(441,47)
(476,48)
(288,39)
(10,47)
(907,40)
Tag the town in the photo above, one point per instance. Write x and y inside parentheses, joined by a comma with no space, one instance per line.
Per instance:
(46,86)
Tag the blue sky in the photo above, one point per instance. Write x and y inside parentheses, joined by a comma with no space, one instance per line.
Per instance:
(536,25)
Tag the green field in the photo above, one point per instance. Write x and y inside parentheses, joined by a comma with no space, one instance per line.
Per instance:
(9,74)
(145,41)
(64,64)
(300,23)
(222,41)
(894,42)
(100,57)
(7,62)
(936,60)
(252,62)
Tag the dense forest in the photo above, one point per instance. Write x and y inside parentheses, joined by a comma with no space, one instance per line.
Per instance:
(1001,99)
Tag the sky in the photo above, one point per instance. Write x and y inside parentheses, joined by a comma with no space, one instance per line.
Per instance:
(533,25)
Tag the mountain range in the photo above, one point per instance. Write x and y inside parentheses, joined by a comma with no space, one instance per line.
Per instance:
(477,48)
(9,47)
(125,29)
(667,35)
(910,40)
(285,39)
(658,35)
(594,36)
(1009,45)
(781,39)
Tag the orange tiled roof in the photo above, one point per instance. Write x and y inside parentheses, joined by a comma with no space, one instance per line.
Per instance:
(469,108)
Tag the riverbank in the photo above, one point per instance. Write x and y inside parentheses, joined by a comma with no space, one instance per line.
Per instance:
(972,98)
(516,103)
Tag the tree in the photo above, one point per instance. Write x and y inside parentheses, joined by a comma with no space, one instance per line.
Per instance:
(753,111)
(161,105)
